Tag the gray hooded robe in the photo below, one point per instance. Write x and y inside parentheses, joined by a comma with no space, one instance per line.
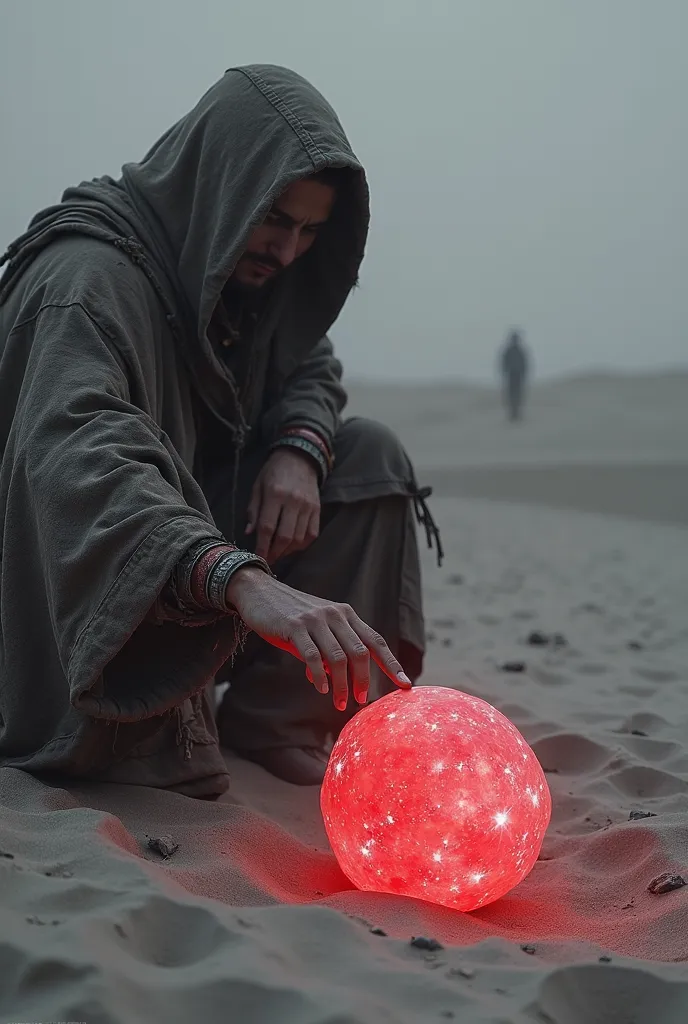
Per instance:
(106,370)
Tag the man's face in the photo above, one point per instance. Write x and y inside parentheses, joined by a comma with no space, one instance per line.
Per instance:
(287,232)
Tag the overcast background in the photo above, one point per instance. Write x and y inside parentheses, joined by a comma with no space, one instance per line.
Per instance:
(528,159)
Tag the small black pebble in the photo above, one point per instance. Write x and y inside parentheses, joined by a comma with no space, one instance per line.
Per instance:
(538,639)
(635,645)
(120,931)
(7,856)
(638,732)
(637,815)
(666,883)
(514,666)
(378,931)
(164,845)
(447,642)
(429,945)
(605,959)
(530,950)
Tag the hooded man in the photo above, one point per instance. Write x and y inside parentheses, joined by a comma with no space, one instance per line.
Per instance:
(167,387)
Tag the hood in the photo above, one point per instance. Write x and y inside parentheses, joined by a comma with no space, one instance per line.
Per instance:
(193,200)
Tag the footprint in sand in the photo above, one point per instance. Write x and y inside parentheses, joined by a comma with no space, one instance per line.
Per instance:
(570,753)
(591,668)
(645,781)
(602,993)
(643,692)
(644,723)
(548,678)
(652,750)
(657,675)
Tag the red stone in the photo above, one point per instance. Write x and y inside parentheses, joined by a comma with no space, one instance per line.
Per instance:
(433,793)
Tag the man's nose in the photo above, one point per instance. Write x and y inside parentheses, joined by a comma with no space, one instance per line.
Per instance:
(286,247)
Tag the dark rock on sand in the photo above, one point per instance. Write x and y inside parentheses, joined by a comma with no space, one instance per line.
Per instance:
(539,639)
(164,845)
(666,883)
(429,945)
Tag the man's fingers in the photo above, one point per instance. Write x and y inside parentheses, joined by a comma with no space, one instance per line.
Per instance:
(336,663)
(309,677)
(268,519)
(306,648)
(380,652)
(313,528)
(301,528)
(253,507)
(358,658)
(283,538)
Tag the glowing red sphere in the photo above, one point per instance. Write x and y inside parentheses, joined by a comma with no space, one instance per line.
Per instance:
(433,793)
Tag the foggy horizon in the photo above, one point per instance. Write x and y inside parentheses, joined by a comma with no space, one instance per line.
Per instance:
(527,163)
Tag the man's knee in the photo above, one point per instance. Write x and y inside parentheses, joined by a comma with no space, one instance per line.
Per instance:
(369,462)
(370,435)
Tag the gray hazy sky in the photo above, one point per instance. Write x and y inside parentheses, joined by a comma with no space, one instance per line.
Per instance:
(528,159)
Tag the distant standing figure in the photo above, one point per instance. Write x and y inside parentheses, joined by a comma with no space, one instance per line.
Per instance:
(514,367)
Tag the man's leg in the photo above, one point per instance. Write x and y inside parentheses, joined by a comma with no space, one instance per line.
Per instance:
(366,556)
(515,397)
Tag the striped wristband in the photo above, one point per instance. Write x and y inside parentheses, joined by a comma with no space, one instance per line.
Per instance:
(310,435)
(309,448)
(222,571)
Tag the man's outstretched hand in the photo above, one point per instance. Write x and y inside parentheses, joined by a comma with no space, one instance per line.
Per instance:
(329,637)
(284,510)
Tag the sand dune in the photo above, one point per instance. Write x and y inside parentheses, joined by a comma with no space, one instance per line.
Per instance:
(655,492)
(251,920)
(599,418)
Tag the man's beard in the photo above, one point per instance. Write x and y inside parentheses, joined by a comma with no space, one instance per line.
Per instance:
(249,296)
(256,257)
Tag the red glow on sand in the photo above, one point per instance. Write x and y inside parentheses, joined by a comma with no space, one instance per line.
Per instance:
(433,793)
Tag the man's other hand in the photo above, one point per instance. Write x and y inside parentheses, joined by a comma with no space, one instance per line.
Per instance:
(284,510)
